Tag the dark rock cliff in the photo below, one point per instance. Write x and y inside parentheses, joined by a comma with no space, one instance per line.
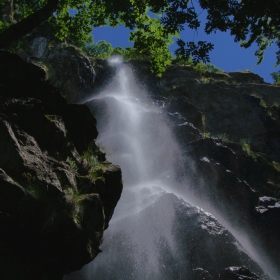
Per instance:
(57,191)
(66,66)
(228,127)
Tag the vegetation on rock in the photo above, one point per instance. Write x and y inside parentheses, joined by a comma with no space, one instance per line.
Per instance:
(276,77)
(227,125)
(53,205)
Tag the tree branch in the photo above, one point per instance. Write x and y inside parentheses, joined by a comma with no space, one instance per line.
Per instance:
(25,26)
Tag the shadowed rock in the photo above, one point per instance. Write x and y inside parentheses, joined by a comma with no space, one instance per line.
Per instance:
(57,191)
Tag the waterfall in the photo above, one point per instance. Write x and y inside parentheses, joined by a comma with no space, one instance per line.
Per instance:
(155,232)
(136,138)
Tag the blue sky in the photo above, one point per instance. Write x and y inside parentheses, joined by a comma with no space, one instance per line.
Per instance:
(227,55)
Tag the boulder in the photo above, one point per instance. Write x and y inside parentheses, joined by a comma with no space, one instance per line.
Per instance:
(67,69)
(71,72)
(186,243)
(38,47)
(237,273)
(55,202)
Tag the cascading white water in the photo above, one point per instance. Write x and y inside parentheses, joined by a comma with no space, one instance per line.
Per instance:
(135,136)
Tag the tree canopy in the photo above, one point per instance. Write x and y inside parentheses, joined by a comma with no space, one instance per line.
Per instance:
(153,23)
(249,21)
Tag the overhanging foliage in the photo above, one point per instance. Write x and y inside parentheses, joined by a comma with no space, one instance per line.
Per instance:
(248,21)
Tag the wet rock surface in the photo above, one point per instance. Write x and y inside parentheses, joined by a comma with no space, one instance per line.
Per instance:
(237,273)
(67,68)
(192,245)
(228,127)
(57,191)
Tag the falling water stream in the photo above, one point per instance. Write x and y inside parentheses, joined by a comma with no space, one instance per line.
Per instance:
(140,242)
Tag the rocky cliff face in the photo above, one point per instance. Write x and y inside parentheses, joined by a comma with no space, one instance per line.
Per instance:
(228,127)
(167,238)
(202,248)
(57,191)
(66,67)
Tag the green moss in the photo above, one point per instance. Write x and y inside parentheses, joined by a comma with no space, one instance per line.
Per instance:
(276,165)
(90,155)
(51,117)
(72,164)
(223,137)
(263,103)
(203,120)
(206,134)
(256,94)
(32,187)
(46,67)
(98,171)
(75,201)
(246,147)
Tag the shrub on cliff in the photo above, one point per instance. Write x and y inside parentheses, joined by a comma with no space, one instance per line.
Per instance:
(200,67)
(276,77)
(101,49)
